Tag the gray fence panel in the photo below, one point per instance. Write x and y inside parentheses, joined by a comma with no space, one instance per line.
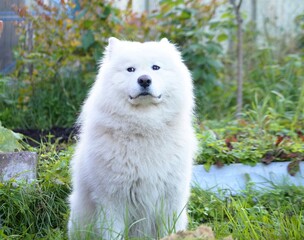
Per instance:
(9,38)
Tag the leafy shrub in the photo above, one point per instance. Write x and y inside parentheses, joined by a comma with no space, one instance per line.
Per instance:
(300,23)
(190,25)
(52,76)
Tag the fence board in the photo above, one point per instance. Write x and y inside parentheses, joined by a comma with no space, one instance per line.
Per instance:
(9,38)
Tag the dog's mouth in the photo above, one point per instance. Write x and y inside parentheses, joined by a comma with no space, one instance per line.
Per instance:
(143,94)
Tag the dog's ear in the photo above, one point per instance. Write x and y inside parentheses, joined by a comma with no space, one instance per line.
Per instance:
(164,40)
(113,41)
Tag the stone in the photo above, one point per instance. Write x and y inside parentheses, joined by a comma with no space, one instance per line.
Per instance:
(22,166)
(203,232)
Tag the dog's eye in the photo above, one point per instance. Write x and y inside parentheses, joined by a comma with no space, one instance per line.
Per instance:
(131,69)
(155,67)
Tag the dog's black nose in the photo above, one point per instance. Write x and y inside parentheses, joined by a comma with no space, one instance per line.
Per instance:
(144,81)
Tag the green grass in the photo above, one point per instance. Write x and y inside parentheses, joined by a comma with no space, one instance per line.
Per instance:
(273,214)
(40,210)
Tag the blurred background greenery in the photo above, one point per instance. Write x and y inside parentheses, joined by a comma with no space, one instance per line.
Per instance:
(53,74)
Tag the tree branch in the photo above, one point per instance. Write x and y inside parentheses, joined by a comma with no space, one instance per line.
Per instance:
(239,5)
(239,22)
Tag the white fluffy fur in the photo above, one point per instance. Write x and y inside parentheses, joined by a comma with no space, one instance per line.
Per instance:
(132,166)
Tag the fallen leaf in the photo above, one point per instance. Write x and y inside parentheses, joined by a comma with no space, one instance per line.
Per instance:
(287,156)
(268,157)
(219,164)
(293,167)
(300,135)
(229,141)
(279,140)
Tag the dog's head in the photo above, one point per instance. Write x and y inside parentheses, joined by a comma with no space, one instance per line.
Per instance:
(144,74)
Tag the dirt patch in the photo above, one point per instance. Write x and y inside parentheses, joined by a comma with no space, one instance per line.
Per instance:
(56,134)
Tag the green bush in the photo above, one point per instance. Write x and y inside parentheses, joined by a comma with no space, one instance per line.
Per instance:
(300,23)
(190,25)
(52,79)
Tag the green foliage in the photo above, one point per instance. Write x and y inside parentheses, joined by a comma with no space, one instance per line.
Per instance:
(52,77)
(281,82)
(250,143)
(266,214)
(204,207)
(190,25)
(38,210)
(271,70)
(300,23)
(10,114)
(9,140)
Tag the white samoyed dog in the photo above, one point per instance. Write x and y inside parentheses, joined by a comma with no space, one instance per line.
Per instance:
(132,167)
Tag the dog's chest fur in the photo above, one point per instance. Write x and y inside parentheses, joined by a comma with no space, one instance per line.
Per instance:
(140,169)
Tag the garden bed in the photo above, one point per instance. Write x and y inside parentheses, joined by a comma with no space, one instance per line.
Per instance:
(34,137)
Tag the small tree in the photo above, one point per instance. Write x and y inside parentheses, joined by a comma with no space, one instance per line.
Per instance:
(239,22)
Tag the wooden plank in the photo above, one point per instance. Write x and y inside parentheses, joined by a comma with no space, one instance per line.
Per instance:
(8,38)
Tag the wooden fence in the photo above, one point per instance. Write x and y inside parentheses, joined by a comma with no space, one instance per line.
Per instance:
(9,38)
